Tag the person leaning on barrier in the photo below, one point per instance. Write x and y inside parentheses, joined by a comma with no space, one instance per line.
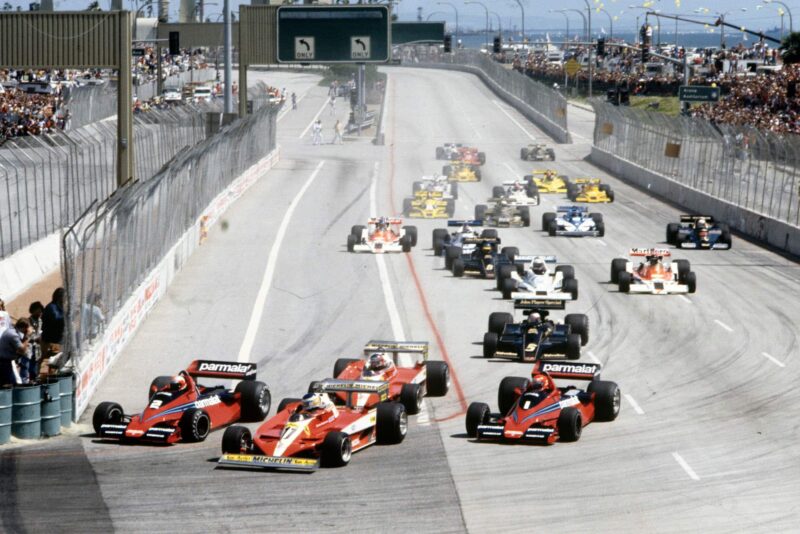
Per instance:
(13,346)
(53,325)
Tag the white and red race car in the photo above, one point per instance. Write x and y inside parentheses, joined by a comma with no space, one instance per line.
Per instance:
(653,275)
(380,235)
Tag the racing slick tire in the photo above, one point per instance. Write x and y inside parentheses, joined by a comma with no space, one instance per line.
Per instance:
(551,154)
(437,383)
(510,252)
(256,399)
(578,324)
(725,236)
(458,267)
(411,398)
(195,425)
(672,233)
(482,157)
(552,230)
(569,424)
(596,217)
(405,242)
(450,207)
(571,286)
(417,186)
(286,402)
(341,364)
(411,231)
(507,392)
(572,192)
(351,243)
(573,348)
(454,190)
(533,191)
(158,384)
(567,272)
(624,280)
(607,398)
(451,253)
(683,269)
(523,154)
(691,281)
(391,424)
(490,344)
(503,273)
(447,170)
(498,191)
(477,174)
(439,237)
(480,212)
(407,206)
(498,321)
(547,218)
(336,450)
(601,229)
(477,414)
(618,266)
(610,194)
(508,286)
(439,152)
(489,233)
(525,215)
(106,412)
(357,230)
(237,439)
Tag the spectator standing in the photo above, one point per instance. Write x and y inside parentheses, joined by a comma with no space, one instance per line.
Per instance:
(92,319)
(13,346)
(316,132)
(5,318)
(53,325)
(332,103)
(36,309)
(294,101)
(337,133)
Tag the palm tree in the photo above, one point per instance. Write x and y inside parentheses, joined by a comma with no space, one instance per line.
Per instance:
(7,7)
(94,6)
(790,48)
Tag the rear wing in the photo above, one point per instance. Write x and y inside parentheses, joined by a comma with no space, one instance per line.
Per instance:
(391,220)
(397,347)
(218,369)
(478,240)
(513,182)
(428,194)
(565,209)
(462,222)
(529,259)
(564,369)
(663,252)
(587,180)
(693,218)
(330,385)
(539,304)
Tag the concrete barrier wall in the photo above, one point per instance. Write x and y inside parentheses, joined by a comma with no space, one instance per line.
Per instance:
(778,234)
(27,266)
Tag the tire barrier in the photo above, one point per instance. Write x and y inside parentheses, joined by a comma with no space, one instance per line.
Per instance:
(50,408)
(26,412)
(5,415)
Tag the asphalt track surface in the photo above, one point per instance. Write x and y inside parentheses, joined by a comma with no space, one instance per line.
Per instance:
(705,441)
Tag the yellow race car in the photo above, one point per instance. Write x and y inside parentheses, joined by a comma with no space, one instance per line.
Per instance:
(548,181)
(429,205)
(462,172)
(589,190)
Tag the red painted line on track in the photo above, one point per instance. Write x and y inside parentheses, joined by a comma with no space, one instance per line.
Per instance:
(421,293)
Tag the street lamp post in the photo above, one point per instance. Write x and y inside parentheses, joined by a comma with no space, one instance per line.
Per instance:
(435,13)
(583,17)
(499,24)
(522,8)
(591,47)
(610,22)
(487,19)
(566,18)
(455,9)
(788,12)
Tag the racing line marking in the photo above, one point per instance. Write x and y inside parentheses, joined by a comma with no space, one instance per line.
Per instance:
(507,114)
(685,298)
(261,298)
(723,325)
(773,359)
(686,467)
(634,404)
(601,242)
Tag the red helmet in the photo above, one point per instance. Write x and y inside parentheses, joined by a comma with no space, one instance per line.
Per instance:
(540,382)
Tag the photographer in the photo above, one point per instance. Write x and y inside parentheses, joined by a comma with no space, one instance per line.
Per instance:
(13,346)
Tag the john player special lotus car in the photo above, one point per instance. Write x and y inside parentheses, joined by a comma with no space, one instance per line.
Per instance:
(699,231)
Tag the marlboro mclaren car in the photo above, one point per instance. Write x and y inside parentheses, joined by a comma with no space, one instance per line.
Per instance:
(536,335)
(404,365)
(537,152)
(589,190)
(382,234)
(535,410)
(428,205)
(653,275)
(699,231)
(179,409)
(548,181)
(462,172)
(314,430)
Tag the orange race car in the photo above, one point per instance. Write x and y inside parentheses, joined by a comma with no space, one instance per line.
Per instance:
(653,275)
(382,234)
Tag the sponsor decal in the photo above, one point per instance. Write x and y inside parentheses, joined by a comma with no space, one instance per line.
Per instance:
(588,369)
(205,403)
(224,368)
(134,433)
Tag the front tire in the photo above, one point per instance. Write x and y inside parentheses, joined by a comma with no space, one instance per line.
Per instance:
(336,450)
(195,425)
(411,398)
(547,219)
(477,414)
(573,349)
(570,424)
(458,267)
(618,265)
(106,412)
(392,423)
(624,281)
(489,344)
(498,321)
(411,232)
(237,440)
(508,286)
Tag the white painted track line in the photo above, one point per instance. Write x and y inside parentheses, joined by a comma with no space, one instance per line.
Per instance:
(512,119)
(685,298)
(266,282)
(634,404)
(723,325)
(324,104)
(773,359)
(686,467)
(594,358)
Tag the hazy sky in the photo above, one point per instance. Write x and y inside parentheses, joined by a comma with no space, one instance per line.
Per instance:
(753,14)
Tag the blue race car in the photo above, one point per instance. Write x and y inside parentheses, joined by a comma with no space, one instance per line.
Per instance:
(443,239)
(573,221)
(699,231)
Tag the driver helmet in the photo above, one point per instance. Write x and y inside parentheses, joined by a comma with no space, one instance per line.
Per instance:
(535,317)
(517,186)
(538,266)
(383,223)
(177,383)
(378,362)
(653,260)
(316,401)
(540,382)
(702,228)
(701,223)
(465,229)
(503,202)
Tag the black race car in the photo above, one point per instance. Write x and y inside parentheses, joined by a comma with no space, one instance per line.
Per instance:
(478,256)
(699,231)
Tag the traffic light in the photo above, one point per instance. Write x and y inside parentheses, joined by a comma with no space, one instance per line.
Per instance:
(645,53)
(497,47)
(448,43)
(174,43)
(601,47)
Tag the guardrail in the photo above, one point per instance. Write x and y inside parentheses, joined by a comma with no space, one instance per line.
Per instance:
(121,254)
(744,176)
(544,106)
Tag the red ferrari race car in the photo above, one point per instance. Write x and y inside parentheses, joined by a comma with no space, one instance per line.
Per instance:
(536,410)
(313,430)
(405,365)
(179,409)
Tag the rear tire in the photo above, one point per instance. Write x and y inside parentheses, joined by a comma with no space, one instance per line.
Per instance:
(489,344)
(525,215)
(341,364)
(439,237)
(607,400)
(256,400)
(618,265)
(411,232)
(237,440)
(351,243)
(573,349)
(579,324)
(477,414)
(498,191)
(510,252)
(672,233)
(336,450)
(447,170)
(489,233)
(570,424)
(195,425)
(392,423)
(411,398)
(507,394)
(691,281)
(407,206)
(482,157)
(547,219)
(454,190)
(106,412)
(405,243)
(601,229)
(357,230)
(624,281)
(683,269)
(523,154)
(480,212)
(498,321)
(437,383)
(567,271)
(458,267)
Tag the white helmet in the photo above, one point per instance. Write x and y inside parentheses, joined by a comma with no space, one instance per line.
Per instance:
(538,266)
(316,401)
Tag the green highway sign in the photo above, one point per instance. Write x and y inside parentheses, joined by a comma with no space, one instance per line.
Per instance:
(333,34)
(698,93)
(417,32)
(137,52)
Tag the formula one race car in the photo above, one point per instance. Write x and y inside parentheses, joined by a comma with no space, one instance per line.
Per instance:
(535,336)
(382,234)
(442,239)
(537,152)
(478,256)
(462,172)
(459,152)
(516,193)
(179,409)
(503,215)
(428,205)
(438,183)
(548,181)
(573,221)
(699,231)
(535,410)
(653,275)
(313,430)
(537,281)
(589,190)
(404,365)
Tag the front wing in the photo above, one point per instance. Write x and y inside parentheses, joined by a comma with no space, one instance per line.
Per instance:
(498,432)
(658,288)
(257,461)
(151,435)
(385,247)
